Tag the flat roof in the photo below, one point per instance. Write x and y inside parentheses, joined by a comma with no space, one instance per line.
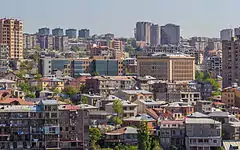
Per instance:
(200,121)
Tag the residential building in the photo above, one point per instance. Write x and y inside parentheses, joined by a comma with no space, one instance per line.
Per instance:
(231,96)
(170,67)
(230,65)
(138,119)
(226,34)
(155,35)
(30,41)
(170,34)
(143,31)
(51,84)
(144,104)
(231,144)
(172,132)
(84,33)
(214,65)
(109,36)
(93,99)
(190,97)
(11,33)
(231,130)
(134,95)
(203,106)
(100,117)
(61,43)
(44,31)
(125,135)
(106,85)
(4,55)
(43,126)
(202,133)
(46,42)
(179,110)
(71,33)
(57,32)
(129,109)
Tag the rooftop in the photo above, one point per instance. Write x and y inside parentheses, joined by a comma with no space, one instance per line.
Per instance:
(200,121)
(124,130)
(134,92)
(125,103)
(49,102)
(197,115)
(140,117)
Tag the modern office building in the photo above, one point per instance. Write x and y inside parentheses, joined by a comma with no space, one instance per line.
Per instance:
(30,41)
(107,67)
(170,34)
(143,31)
(11,33)
(57,32)
(44,126)
(155,35)
(230,59)
(226,34)
(71,33)
(84,33)
(44,32)
(170,67)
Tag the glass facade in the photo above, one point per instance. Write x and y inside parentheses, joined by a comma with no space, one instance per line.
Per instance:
(77,67)
(59,64)
(105,67)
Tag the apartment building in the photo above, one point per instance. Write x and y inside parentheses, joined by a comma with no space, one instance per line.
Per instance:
(230,65)
(47,83)
(30,41)
(203,106)
(71,33)
(42,126)
(11,33)
(190,97)
(202,133)
(170,34)
(170,67)
(134,95)
(105,85)
(172,132)
(4,55)
(231,96)
(144,104)
(84,33)
(143,31)
(129,109)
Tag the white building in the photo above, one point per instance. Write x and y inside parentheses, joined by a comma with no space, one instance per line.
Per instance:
(146,104)
(226,34)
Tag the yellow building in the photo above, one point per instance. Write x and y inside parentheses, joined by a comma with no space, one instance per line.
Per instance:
(169,67)
(11,33)
(231,96)
(52,84)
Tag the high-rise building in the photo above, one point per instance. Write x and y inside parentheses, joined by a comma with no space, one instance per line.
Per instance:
(170,34)
(143,31)
(84,33)
(29,41)
(168,67)
(44,31)
(230,60)
(11,33)
(155,35)
(4,54)
(46,42)
(226,34)
(60,43)
(57,32)
(71,33)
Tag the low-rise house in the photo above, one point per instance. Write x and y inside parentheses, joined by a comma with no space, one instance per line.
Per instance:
(107,100)
(190,97)
(129,109)
(134,95)
(179,110)
(203,106)
(7,84)
(14,101)
(202,133)
(125,135)
(146,104)
(47,83)
(93,99)
(172,133)
(100,117)
(159,114)
(138,119)
(231,96)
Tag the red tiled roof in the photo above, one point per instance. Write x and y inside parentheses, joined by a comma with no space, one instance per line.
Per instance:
(11,100)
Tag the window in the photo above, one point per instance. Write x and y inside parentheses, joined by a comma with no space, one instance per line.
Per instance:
(66,128)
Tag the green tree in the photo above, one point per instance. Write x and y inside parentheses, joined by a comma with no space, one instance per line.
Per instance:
(144,139)
(118,107)
(199,75)
(84,100)
(82,88)
(117,120)
(70,91)
(31,95)
(56,90)
(94,135)
(155,145)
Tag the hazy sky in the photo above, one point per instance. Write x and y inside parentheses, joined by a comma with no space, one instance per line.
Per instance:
(196,17)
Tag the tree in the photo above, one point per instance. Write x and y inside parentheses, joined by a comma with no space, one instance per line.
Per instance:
(144,139)
(155,145)
(82,88)
(84,100)
(118,107)
(199,75)
(95,136)
(70,91)
(56,90)
(117,120)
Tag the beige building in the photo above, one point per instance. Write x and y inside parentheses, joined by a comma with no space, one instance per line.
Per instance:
(231,96)
(143,31)
(11,33)
(169,67)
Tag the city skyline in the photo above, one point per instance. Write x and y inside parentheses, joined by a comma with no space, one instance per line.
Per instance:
(109,16)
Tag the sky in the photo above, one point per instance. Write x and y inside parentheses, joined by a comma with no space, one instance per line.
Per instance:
(195,17)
